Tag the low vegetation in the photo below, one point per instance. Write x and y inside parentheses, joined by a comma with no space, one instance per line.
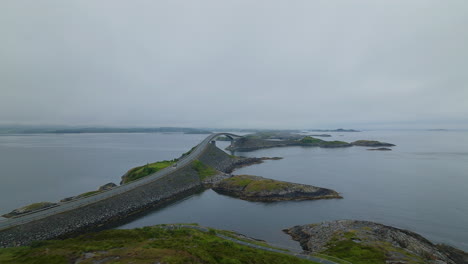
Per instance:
(311,140)
(143,245)
(371,143)
(323,143)
(266,185)
(240,181)
(143,171)
(37,206)
(334,143)
(187,153)
(356,253)
(203,170)
(353,250)
(29,208)
(250,183)
(86,194)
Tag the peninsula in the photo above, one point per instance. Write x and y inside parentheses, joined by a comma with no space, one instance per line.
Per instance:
(261,140)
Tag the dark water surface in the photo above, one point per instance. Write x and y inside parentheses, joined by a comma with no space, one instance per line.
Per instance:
(422,185)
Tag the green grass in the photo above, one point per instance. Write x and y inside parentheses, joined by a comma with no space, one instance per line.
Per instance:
(364,253)
(334,143)
(239,181)
(365,142)
(266,185)
(311,140)
(322,143)
(251,184)
(203,170)
(86,194)
(142,171)
(261,135)
(36,206)
(144,245)
(356,253)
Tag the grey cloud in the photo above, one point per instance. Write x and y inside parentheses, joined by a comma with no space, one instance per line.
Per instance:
(234,63)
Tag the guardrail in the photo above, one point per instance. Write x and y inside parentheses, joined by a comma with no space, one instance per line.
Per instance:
(74,204)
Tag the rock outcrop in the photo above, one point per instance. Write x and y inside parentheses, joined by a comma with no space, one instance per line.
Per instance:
(380,149)
(273,140)
(255,188)
(393,245)
(107,186)
(249,144)
(371,143)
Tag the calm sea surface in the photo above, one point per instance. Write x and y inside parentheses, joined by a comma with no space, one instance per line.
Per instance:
(422,185)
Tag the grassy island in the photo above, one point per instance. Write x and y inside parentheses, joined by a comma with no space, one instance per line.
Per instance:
(371,143)
(323,143)
(255,188)
(157,244)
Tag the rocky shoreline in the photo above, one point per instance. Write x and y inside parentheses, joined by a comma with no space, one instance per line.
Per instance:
(255,188)
(389,244)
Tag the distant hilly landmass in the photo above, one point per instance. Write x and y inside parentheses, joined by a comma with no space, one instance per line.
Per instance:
(25,129)
(77,130)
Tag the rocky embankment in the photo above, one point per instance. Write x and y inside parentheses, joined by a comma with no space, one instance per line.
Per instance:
(174,186)
(353,240)
(255,188)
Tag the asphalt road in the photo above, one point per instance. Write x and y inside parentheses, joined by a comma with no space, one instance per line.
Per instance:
(67,206)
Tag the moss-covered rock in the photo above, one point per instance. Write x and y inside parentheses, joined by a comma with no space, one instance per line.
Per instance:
(364,242)
(255,188)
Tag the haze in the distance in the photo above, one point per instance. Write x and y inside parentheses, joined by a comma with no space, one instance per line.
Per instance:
(238,63)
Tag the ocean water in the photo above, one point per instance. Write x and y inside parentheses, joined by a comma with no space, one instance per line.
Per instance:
(420,185)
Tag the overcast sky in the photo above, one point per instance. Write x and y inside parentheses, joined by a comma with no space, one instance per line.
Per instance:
(238,63)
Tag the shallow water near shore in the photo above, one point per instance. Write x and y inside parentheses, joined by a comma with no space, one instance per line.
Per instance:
(420,185)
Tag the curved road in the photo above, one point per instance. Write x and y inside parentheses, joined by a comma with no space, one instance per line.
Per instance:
(67,206)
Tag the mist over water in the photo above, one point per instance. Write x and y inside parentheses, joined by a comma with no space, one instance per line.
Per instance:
(420,185)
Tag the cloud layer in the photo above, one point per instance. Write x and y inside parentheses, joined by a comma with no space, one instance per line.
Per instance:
(239,63)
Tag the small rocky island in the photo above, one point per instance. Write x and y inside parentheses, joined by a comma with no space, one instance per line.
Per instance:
(255,188)
(371,143)
(380,149)
(355,241)
(271,140)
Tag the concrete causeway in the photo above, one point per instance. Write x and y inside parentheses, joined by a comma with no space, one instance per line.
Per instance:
(118,203)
